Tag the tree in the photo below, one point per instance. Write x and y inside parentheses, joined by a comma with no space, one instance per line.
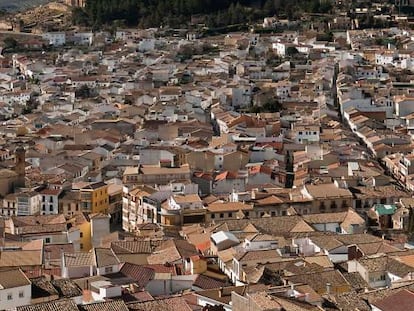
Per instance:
(80,17)
(185,52)
(291,51)
(150,13)
(271,106)
(10,43)
(83,91)
(269,7)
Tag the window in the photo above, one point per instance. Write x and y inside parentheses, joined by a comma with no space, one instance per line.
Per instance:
(81,235)
(108,269)
(322,207)
(213,216)
(47,240)
(81,245)
(221,215)
(230,215)
(9,296)
(21,294)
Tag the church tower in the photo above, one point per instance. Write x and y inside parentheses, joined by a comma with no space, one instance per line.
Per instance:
(20,167)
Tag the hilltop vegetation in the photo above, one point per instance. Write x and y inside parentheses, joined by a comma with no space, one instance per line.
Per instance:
(154,13)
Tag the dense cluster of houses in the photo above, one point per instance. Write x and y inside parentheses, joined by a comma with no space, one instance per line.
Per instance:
(149,170)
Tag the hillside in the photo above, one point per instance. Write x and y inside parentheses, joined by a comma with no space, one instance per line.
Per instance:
(50,17)
(19,5)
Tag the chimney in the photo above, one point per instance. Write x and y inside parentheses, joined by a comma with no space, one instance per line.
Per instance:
(328,288)
(291,292)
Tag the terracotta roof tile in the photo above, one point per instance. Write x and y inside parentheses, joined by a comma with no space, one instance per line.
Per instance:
(319,280)
(13,278)
(228,206)
(400,301)
(132,247)
(67,288)
(17,258)
(105,257)
(113,305)
(171,251)
(142,275)
(78,259)
(279,226)
(205,282)
(57,305)
(167,304)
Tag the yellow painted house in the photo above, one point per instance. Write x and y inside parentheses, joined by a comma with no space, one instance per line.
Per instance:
(95,198)
(81,221)
(92,228)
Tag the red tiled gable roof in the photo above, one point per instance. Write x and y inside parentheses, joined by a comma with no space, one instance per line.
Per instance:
(141,296)
(51,191)
(111,305)
(162,268)
(172,250)
(62,304)
(400,301)
(168,304)
(226,175)
(132,247)
(274,145)
(54,251)
(206,282)
(206,176)
(260,169)
(142,275)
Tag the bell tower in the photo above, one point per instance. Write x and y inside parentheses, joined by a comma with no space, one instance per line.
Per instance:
(20,166)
